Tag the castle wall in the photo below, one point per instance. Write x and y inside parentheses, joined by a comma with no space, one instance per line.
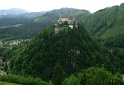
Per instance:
(71,23)
(71,26)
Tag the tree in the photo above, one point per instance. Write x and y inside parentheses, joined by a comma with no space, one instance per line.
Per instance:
(100,76)
(58,74)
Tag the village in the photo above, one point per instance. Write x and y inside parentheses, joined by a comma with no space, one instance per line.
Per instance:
(9,44)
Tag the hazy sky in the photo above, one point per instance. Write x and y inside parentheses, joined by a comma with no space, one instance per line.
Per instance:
(45,5)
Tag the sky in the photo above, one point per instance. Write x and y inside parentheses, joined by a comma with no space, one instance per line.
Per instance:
(46,5)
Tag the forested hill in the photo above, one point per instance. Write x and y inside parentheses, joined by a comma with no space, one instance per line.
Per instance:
(108,26)
(106,22)
(30,15)
(23,26)
(52,16)
(54,56)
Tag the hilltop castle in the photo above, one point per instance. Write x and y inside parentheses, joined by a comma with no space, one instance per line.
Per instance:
(70,21)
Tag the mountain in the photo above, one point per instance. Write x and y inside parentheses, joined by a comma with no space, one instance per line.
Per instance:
(32,14)
(53,15)
(68,52)
(30,27)
(107,26)
(13,11)
(106,22)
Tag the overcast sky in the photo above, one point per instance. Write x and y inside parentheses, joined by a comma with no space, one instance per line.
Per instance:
(45,5)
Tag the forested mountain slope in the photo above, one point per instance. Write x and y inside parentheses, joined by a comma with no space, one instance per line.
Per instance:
(70,51)
(108,26)
(30,15)
(53,15)
(106,22)
(29,28)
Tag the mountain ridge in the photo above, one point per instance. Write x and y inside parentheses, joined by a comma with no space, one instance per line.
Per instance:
(106,22)
(32,26)
(13,11)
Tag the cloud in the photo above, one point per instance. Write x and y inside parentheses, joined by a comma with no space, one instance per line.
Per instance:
(44,5)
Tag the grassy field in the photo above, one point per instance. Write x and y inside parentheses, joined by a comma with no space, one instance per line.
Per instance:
(6,83)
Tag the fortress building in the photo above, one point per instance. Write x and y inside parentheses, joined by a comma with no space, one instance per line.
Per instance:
(72,23)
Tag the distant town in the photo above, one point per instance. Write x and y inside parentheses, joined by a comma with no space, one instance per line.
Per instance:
(7,44)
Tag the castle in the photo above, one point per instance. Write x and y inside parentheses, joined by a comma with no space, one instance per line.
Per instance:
(68,20)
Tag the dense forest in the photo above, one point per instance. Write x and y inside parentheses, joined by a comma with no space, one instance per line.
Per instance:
(54,57)
(106,22)
(107,26)
(90,54)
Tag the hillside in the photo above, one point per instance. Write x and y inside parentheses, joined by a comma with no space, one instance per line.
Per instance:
(106,22)
(30,15)
(107,25)
(6,83)
(53,15)
(25,26)
(71,50)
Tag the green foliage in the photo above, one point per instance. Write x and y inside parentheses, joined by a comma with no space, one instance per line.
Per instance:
(29,27)
(106,22)
(98,76)
(53,15)
(6,83)
(72,80)
(115,44)
(23,80)
(58,74)
(115,41)
(6,53)
(54,56)
(108,26)
(94,76)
